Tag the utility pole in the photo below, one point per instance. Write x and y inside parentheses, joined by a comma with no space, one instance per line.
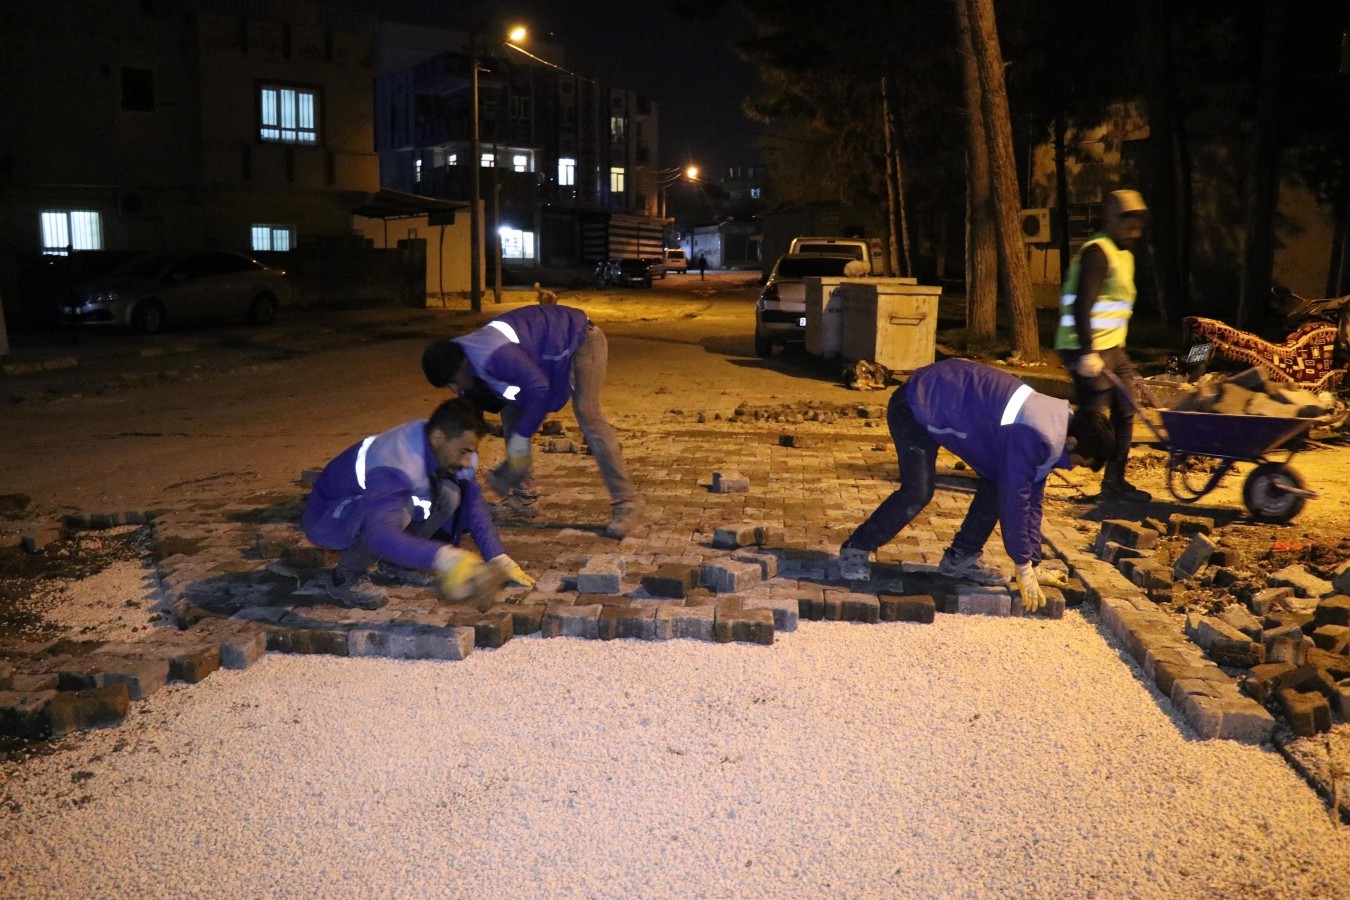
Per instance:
(476,210)
(496,212)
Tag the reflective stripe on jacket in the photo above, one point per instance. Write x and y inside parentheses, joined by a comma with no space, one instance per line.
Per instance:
(1110,316)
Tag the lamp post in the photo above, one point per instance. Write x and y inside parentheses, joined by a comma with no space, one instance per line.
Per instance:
(475,211)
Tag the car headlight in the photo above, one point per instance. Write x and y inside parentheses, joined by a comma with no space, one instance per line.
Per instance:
(105,297)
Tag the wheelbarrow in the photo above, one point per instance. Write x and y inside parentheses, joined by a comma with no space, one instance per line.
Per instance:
(1273,491)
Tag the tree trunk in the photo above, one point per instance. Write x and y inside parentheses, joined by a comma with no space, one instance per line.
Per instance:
(1263,161)
(1159,92)
(1003,176)
(981,245)
(894,210)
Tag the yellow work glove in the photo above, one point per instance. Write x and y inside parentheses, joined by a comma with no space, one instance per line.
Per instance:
(1054,578)
(1033,598)
(1090,365)
(514,573)
(455,571)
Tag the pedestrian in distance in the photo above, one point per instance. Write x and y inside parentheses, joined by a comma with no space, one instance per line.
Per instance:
(530,362)
(1011,436)
(1096,302)
(702,266)
(402,500)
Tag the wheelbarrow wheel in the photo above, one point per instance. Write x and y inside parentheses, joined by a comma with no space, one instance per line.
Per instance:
(1266,493)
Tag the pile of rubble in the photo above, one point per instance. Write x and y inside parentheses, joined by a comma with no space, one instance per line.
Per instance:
(1251,393)
(1285,635)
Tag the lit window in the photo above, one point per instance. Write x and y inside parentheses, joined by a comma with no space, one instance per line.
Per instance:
(516,244)
(754,193)
(64,230)
(452,159)
(417,170)
(288,115)
(487,161)
(616,179)
(273,237)
(616,127)
(520,163)
(567,171)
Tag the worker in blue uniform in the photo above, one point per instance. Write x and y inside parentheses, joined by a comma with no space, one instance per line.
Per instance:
(403,499)
(529,362)
(1011,436)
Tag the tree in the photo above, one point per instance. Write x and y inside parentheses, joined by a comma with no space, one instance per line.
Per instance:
(981,237)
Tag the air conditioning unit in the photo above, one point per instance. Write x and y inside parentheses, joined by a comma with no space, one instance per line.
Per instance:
(1036,226)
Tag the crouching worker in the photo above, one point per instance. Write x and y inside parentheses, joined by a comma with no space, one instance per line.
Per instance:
(404,499)
(1011,436)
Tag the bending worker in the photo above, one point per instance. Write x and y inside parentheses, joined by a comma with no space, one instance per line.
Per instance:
(404,498)
(533,360)
(1094,316)
(1010,435)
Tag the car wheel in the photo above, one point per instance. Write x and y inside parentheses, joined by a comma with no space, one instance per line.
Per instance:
(763,346)
(149,317)
(262,310)
(647,283)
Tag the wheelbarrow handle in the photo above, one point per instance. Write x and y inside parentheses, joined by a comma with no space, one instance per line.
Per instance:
(1134,404)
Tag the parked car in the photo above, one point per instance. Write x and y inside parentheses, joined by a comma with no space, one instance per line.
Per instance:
(857,248)
(780,311)
(656,266)
(675,260)
(602,271)
(630,272)
(151,292)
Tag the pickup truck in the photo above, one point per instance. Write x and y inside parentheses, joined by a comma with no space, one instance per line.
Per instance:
(857,248)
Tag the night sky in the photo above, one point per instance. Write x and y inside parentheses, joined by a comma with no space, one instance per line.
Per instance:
(687,66)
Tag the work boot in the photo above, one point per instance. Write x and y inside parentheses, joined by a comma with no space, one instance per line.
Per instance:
(970,568)
(1115,487)
(355,591)
(623,519)
(854,564)
(515,505)
(387,571)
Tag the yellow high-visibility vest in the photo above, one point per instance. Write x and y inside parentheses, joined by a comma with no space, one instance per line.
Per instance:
(1110,317)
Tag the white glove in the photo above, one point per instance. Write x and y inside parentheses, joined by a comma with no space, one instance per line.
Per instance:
(1054,578)
(1090,365)
(1033,598)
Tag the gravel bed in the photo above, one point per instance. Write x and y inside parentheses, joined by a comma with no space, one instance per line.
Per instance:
(973,756)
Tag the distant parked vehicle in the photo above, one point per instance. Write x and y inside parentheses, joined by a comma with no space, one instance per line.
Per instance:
(780,311)
(149,293)
(656,266)
(602,271)
(675,261)
(630,272)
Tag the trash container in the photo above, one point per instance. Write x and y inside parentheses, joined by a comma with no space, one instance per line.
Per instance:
(824,310)
(892,324)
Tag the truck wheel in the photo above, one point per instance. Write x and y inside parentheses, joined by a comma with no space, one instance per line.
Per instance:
(262,310)
(1268,496)
(763,346)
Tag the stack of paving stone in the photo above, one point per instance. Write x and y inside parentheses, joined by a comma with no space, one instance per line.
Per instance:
(1250,393)
(1289,643)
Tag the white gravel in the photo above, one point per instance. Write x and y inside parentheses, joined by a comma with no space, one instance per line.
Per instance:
(971,757)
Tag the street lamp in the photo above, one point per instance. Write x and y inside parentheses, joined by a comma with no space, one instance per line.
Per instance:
(667,177)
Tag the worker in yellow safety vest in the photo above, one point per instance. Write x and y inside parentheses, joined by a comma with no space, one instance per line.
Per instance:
(1094,316)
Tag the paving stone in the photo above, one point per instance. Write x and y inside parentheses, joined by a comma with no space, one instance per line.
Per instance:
(1199,703)
(409,640)
(907,608)
(241,643)
(1334,663)
(1147,573)
(850,606)
(1341,579)
(490,629)
(729,482)
(635,622)
(729,576)
(526,618)
(1127,534)
(979,600)
(1243,621)
(1304,583)
(692,622)
(786,611)
(323,641)
(25,683)
(1194,558)
(1053,608)
(189,660)
(1308,713)
(1333,610)
(606,579)
(671,580)
(23,714)
(565,620)
(1263,601)
(6,677)
(751,626)
(1113,552)
(39,538)
(770,535)
(143,676)
(1246,721)
(767,562)
(730,537)
(1287,650)
(1342,702)
(1262,681)
(100,707)
(1332,638)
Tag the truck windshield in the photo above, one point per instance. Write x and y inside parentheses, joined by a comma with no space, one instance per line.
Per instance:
(852,250)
